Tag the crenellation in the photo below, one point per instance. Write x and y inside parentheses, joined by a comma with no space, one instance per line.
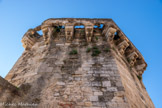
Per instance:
(69,27)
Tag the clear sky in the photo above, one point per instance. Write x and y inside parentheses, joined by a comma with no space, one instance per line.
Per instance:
(140,20)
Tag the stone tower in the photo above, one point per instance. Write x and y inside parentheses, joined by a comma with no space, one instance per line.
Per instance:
(76,63)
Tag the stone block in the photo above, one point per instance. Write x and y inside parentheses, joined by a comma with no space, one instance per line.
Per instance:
(94,98)
(56,94)
(49,69)
(98,93)
(60,83)
(119,84)
(96,84)
(106,83)
(112,89)
(88,104)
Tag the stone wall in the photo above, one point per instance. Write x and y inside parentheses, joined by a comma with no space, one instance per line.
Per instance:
(7,92)
(69,67)
(134,89)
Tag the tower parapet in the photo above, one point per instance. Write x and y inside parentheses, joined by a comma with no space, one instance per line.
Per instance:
(91,27)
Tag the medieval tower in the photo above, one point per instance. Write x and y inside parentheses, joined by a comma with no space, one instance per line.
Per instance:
(76,63)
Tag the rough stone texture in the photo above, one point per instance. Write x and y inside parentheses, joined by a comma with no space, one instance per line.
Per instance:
(69,67)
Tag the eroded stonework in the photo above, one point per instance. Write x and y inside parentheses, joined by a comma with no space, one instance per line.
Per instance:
(77,63)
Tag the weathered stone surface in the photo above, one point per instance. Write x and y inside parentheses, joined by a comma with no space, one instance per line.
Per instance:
(70,67)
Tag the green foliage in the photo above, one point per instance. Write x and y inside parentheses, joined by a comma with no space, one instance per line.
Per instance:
(54,30)
(36,100)
(57,29)
(82,31)
(94,47)
(96,37)
(96,52)
(128,60)
(106,50)
(113,48)
(73,52)
(62,67)
(17,88)
(88,50)
(139,77)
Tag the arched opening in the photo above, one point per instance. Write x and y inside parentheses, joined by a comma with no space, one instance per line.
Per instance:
(117,38)
(98,28)
(40,32)
(62,30)
(79,31)
(59,29)
(79,26)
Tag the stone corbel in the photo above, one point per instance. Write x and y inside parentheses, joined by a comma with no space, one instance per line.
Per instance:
(29,39)
(89,32)
(122,46)
(132,58)
(105,29)
(45,34)
(69,32)
(48,34)
(141,67)
(110,34)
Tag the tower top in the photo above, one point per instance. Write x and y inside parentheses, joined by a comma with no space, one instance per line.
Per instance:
(67,29)
(82,63)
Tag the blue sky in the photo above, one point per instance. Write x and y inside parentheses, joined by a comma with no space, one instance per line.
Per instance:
(140,20)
